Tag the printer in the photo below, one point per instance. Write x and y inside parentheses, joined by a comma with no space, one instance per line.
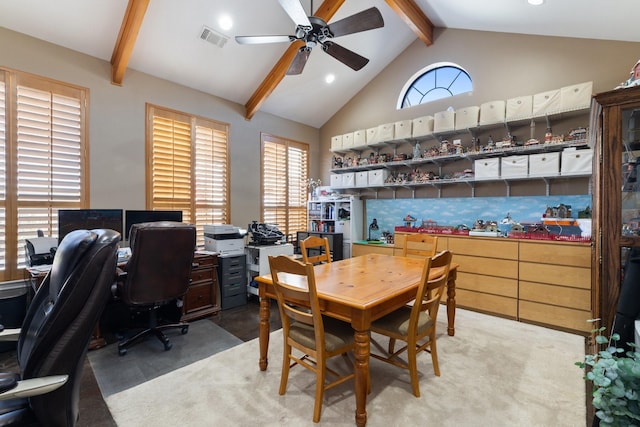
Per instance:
(225,239)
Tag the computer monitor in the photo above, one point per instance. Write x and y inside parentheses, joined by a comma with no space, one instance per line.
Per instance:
(88,219)
(137,216)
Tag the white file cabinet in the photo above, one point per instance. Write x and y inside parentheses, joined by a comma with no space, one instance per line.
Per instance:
(258,261)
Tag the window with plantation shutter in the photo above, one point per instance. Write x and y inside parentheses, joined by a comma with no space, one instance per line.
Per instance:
(188,167)
(285,168)
(43,160)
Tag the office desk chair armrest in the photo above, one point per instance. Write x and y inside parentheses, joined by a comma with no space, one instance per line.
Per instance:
(10,334)
(30,387)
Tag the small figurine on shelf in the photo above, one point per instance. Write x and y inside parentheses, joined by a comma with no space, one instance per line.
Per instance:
(416,151)
(548,136)
(634,77)
(337,162)
(313,185)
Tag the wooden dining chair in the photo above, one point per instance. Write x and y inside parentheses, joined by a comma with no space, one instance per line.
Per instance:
(420,245)
(318,338)
(318,245)
(416,324)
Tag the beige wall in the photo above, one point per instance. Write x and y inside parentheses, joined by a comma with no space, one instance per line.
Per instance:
(501,66)
(116,131)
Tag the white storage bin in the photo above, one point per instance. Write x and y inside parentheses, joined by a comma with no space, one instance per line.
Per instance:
(544,164)
(546,102)
(422,126)
(336,143)
(514,166)
(486,168)
(372,136)
(576,96)
(347,141)
(519,108)
(467,117)
(576,162)
(359,138)
(349,180)
(402,129)
(385,132)
(492,112)
(362,179)
(336,180)
(444,121)
(378,176)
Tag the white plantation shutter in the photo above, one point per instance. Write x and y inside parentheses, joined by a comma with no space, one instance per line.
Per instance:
(3,171)
(285,167)
(189,168)
(44,165)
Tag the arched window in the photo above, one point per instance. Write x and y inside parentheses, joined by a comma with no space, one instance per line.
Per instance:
(433,82)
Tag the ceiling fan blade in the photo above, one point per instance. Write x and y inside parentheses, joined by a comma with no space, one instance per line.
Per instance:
(361,21)
(344,55)
(300,60)
(262,39)
(296,12)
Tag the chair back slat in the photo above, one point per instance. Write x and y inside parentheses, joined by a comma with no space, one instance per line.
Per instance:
(420,245)
(316,243)
(295,287)
(435,287)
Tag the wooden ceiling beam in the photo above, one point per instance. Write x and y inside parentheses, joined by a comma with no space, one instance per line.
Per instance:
(325,12)
(131,24)
(413,16)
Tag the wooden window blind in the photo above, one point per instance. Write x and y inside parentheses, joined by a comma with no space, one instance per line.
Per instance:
(44,159)
(285,168)
(188,167)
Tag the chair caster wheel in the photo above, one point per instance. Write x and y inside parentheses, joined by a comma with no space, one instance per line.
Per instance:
(122,351)
(167,346)
(184,330)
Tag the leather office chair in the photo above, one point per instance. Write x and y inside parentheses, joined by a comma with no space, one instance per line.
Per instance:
(420,245)
(416,324)
(53,341)
(158,272)
(305,329)
(318,244)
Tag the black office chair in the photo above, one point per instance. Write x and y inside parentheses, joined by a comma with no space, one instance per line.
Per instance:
(158,272)
(53,341)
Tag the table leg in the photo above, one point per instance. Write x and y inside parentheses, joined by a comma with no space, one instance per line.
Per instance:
(451,304)
(362,348)
(264,331)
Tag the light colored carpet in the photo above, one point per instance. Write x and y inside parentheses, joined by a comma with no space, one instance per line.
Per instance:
(494,372)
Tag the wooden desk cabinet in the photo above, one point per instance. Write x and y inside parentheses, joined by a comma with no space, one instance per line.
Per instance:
(201,299)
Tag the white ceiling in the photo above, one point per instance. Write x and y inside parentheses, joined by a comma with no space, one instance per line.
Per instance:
(169,47)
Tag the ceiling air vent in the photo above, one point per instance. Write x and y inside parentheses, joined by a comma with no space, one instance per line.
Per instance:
(209,35)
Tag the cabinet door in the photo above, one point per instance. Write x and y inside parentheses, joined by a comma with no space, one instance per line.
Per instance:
(616,198)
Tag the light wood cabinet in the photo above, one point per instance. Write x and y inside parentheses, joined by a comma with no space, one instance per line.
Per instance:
(555,284)
(541,282)
(358,249)
(487,274)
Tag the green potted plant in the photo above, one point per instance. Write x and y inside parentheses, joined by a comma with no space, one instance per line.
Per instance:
(615,374)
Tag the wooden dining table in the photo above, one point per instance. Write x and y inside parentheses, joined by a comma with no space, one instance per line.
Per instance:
(359,290)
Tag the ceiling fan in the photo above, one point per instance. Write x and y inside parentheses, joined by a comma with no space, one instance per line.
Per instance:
(314,31)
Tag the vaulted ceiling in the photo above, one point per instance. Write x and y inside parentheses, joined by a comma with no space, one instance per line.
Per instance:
(163,38)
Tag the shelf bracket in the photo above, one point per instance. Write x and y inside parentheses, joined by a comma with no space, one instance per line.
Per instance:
(547,184)
(508,185)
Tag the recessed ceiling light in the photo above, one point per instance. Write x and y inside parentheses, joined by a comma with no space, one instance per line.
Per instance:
(536,2)
(225,22)
(330,78)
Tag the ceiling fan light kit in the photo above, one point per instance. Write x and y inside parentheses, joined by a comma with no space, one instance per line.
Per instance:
(313,31)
